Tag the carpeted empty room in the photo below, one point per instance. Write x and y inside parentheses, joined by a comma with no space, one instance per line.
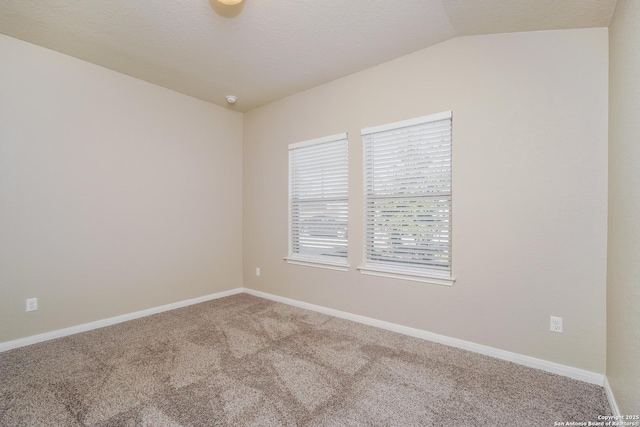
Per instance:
(319,213)
(243,360)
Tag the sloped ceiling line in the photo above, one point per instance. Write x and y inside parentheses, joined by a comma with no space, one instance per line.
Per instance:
(271,49)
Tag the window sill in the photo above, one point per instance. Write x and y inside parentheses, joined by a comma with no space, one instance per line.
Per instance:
(318,263)
(433,277)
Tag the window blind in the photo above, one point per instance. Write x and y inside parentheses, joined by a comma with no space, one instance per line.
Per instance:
(408,194)
(318,199)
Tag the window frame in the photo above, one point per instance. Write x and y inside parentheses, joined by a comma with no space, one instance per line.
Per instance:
(341,263)
(410,271)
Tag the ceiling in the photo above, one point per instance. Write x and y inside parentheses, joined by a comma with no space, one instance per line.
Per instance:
(270,48)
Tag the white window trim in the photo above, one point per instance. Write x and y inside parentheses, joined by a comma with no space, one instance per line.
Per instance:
(293,258)
(406,273)
(317,263)
(404,123)
(431,276)
(330,138)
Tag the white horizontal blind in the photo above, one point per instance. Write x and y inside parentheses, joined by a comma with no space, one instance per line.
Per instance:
(318,199)
(408,194)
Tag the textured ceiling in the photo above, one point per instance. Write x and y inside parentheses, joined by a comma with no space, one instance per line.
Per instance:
(271,48)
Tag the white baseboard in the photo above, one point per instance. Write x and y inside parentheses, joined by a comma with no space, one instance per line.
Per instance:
(555,368)
(612,400)
(9,345)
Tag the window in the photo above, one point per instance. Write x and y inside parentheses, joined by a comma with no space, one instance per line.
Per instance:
(318,202)
(408,199)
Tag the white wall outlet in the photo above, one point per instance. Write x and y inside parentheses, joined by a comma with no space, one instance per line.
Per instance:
(556,324)
(32,304)
(257,271)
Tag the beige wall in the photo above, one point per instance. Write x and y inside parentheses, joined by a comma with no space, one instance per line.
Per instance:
(530,190)
(623,272)
(115,195)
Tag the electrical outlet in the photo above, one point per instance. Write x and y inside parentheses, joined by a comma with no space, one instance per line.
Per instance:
(32,304)
(556,324)
(257,271)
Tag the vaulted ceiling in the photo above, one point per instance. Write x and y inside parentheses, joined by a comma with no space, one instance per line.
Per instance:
(268,49)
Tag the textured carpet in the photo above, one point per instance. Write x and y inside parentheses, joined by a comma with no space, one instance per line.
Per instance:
(243,360)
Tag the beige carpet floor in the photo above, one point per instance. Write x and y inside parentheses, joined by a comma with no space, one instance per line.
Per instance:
(243,360)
